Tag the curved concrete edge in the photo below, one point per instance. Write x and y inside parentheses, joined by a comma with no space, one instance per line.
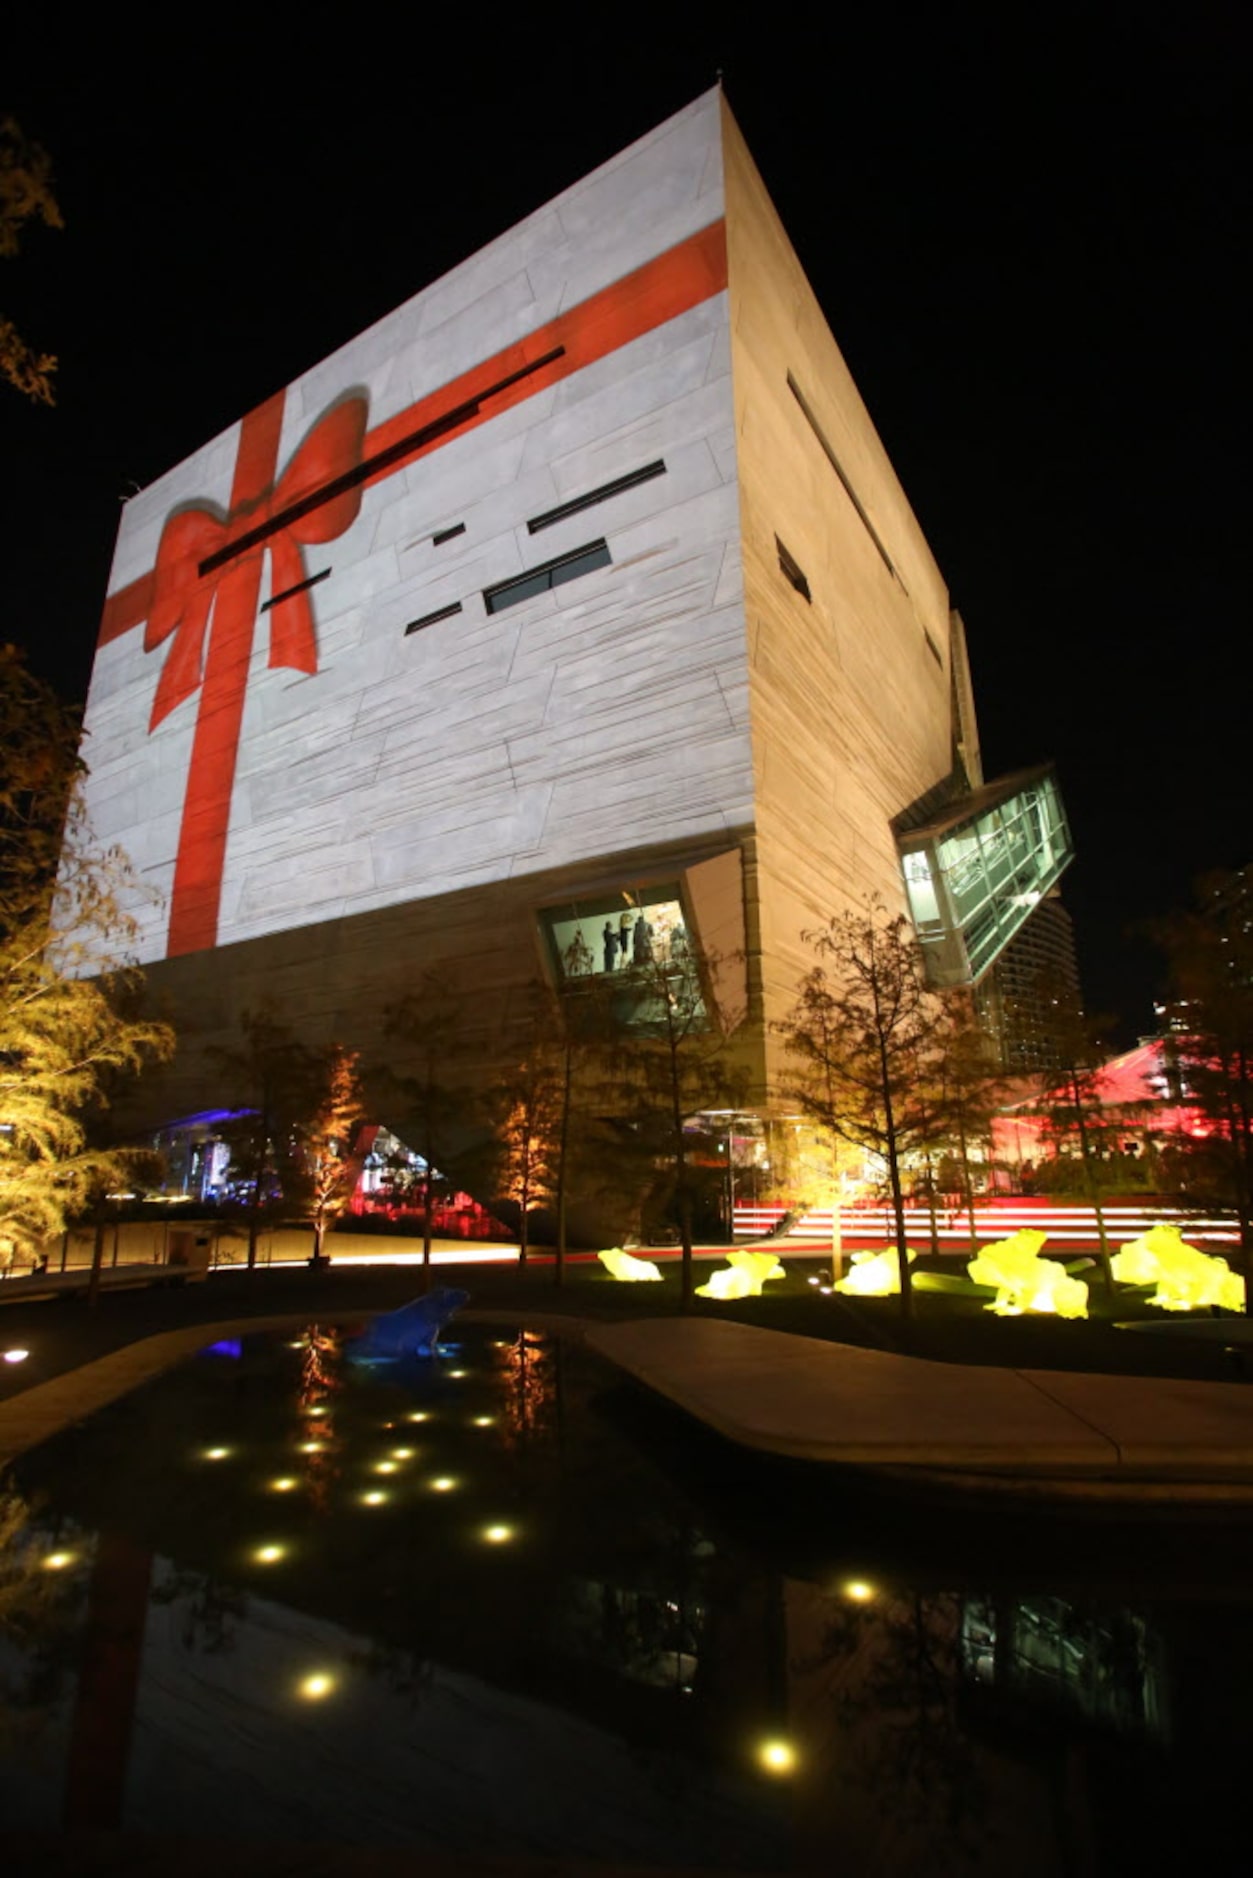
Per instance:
(809,1400)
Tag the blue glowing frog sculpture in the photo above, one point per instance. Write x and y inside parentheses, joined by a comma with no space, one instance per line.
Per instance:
(413,1330)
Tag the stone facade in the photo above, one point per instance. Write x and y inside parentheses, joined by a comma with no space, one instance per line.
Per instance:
(342,753)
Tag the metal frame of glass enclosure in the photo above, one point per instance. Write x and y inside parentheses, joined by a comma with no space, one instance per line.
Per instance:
(974,873)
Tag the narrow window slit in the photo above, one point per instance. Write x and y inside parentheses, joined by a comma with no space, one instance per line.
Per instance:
(431,619)
(793,572)
(615,488)
(300,587)
(442,535)
(838,467)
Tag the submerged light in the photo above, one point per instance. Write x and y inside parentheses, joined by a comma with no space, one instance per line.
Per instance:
(484,1421)
(374,1499)
(216,1454)
(269,1554)
(402,1454)
(419,1415)
(312,1447)
(857,1590)
(16,1356)
(314,1687)
(385,1467)
(443,1484)
(497,1535)
(284,1485)
(57,1561)
(777,1757)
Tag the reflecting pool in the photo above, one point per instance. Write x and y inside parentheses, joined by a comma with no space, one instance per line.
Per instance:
(498,1603)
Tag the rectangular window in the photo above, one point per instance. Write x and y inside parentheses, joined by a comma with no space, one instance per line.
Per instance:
(447,534)
(634,946)
(615,488)
(551,574)
(432,619)
(838,467)
(794,572)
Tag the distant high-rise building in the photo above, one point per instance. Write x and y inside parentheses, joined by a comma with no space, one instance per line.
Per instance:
(1013,999)
(569,616)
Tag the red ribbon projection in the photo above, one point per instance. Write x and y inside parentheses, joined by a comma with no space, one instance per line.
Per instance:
(206,582)
(184,598)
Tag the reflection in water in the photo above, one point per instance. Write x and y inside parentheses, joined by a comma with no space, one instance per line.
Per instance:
(43,1570)
(527,1366)
(569,1654)
(1047,1654)
(320,1381)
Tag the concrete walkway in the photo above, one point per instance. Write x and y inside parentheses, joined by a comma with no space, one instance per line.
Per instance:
(1138,1437)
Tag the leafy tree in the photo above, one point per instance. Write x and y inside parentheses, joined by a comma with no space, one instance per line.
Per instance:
(274,1081)
(674,1060)
(429,1028)
(1209,953)
(860,1038)
(25,195)
(328,1139)
(68,1027)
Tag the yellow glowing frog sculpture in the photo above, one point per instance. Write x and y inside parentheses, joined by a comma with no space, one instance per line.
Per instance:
(620,1264)
(1186,1279)
(873,1274)
(1024,1281)
(742,1276)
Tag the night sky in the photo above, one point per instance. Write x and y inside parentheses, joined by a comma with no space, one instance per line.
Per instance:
(1024,229)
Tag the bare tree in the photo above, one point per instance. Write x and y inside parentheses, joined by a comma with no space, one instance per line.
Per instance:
(1210,957)
(530,1109)
(273,1083)
(673,1049)
(860,1038)
(328,1139)
(428,1026)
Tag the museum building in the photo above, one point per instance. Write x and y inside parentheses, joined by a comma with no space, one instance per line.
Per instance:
(568,620)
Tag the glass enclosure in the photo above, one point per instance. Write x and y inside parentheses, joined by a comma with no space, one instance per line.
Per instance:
(634,943)
(974,874)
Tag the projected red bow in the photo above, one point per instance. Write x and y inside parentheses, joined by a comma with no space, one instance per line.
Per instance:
(212,615)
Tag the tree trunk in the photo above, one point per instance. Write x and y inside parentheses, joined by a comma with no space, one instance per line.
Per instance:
(894,1176)
(559,1274)
(1089,1174)
(97,1262)
(968,1191)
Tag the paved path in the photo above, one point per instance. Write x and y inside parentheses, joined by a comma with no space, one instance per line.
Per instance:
(1139,1437)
